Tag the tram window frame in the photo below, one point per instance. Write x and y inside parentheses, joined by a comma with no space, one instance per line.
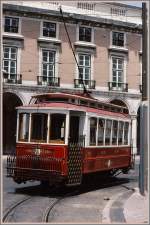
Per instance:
(120,133)
(110,131)
(23,127)
(52,125)
(94,129)
(103,135)
(36,128)
(126,133)
(114,132)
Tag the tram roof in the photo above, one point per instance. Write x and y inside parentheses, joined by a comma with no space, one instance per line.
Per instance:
(79,96)
(98,107)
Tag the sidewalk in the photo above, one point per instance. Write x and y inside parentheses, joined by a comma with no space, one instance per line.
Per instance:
(136,208)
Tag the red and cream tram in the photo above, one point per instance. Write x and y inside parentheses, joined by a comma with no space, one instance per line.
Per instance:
(62,136)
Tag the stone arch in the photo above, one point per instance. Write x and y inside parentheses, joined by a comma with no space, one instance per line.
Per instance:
(10,102)
(120,102)
(18,94)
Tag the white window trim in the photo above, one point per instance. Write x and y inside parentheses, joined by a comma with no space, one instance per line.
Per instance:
(18,58)
(92,64)
(48,125)
(121,56)
(112,119)
(49,38)
(125,40)
(84,42)
(19,26)
(56,60)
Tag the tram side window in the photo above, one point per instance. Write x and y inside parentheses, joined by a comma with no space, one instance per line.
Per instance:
(93,128)
(108,132)
(126,130)
(57,128)
(120,133)
(101,126)
(39,127)
(23,133)
(114,132)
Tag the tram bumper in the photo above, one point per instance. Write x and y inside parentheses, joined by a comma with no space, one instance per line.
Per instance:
(27,168)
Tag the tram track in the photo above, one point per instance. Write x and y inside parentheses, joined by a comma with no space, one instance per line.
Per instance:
(58,195)
(47,213)
(13,207)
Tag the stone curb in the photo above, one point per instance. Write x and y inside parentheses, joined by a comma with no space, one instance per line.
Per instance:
(114,207)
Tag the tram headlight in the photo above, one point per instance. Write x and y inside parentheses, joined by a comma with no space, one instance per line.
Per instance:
(37,151)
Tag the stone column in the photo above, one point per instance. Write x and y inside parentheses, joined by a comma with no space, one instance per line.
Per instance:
(134,133)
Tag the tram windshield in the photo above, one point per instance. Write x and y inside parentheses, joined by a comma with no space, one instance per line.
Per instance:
(41,129)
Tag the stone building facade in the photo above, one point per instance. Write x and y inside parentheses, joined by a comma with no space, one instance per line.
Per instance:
(37,57)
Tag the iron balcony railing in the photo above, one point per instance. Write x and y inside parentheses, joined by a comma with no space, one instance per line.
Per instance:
(113,86)
(88,83)
(49,81)
(12,78)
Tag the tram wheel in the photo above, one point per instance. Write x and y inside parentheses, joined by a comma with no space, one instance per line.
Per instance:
(44,183)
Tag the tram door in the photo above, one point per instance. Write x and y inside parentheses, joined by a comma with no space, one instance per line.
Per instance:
(74,129)
(74,153)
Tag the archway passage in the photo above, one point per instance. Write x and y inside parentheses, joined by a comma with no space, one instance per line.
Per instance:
(120,103)
(10,102)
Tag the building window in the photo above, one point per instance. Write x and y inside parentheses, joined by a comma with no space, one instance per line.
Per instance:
(48,64)
(117,71)
(85,34)
(11,24)
(84,67)
(118,39)
(10,61)
(49,29)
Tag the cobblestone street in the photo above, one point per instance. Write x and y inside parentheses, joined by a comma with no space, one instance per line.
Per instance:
(95,201)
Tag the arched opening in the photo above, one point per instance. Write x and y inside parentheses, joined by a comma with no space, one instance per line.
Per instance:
(10,102)
(138,131)
(120,103)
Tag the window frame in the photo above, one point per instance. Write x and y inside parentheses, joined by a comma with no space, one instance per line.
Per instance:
(92,34)
(54,141)
(84,67)
(9,60)
(119,56)
(111,131)
(48,113)
(37,140)
(111,39)
(57,30)
(18,127)
(19,25)
(48,63)
(41,61)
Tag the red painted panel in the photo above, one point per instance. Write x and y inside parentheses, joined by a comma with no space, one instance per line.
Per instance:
(99,159)
(47,151)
